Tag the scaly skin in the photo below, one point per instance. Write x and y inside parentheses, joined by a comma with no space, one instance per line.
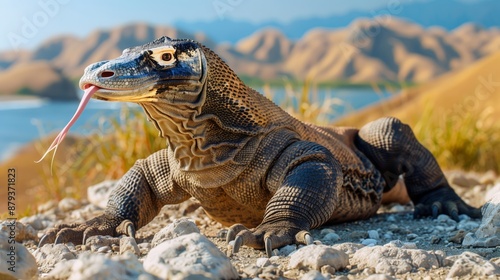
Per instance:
(249,163)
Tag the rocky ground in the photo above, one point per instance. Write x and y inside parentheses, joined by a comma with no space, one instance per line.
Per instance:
(182,242)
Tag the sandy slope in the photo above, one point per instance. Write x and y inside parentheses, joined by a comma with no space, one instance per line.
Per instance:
(472,90)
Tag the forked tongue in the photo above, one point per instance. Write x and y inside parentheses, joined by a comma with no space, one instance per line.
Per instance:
(89,91)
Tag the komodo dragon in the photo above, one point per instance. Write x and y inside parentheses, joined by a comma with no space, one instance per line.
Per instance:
(252,167)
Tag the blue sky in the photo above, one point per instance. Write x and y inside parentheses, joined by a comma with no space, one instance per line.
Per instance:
(27,23)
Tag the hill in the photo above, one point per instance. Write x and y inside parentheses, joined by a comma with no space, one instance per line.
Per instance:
(36,78)
(473,90)
(447,14)
(368,50)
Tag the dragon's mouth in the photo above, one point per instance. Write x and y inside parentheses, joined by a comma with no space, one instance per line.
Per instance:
(140,94)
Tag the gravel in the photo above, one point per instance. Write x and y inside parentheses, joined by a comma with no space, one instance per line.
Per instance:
(182,242)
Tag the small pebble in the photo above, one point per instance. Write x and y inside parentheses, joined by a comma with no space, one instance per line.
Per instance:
(468,225)
(326,231)
(444,219)
(104,249)
(373,234)
(287,250)
(262,262)
(331,237)
(411,236)
(463,217)
(358,235)
(388,235)
(274,258)
(369,242)
(391,218)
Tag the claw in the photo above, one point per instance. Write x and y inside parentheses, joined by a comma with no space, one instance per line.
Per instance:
(233,231)
(309,239)
(46,239)
(435,209)
(237,244)
(304,237)
(126,227)
(269,247)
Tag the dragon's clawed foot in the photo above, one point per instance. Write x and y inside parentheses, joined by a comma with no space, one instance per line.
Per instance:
(79,233)
(266,237)
(444,201)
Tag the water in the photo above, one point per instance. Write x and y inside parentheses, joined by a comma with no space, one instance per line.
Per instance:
(28,120)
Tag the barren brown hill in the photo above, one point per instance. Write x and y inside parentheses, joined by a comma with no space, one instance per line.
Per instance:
(73,54)
(368,50)
(473,90)
(38,78)
(387,49)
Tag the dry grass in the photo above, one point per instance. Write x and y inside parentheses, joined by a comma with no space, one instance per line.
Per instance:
(109,153)
(469,141)
(304,102)
(466,141)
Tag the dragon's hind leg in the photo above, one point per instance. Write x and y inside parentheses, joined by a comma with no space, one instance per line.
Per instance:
(394,150)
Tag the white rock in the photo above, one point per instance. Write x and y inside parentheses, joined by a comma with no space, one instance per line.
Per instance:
(373,234)
(175,229)
(468,225)
(326,231)
(314,275)
(488,233)
(490,223)
(463,217)
(39,221)
(348,247)
(97,241)
(99,194)
(68,204)
(51,254)
(189,255)
(98,266)
(128,244)
(261,262)
(316,256)
(397,208)
(20,231)
(471,264)
(103,249)
(401,244)
(411,236)
(331,237)
(287,250)
(492,192)
(391,218)
(16,260)
(380,277)
(48,207)
(369,242)
(392,260)
(388,235)
(445,219)
(62,270)
(470,239)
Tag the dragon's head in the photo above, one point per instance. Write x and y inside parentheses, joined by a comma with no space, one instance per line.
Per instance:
(165,69)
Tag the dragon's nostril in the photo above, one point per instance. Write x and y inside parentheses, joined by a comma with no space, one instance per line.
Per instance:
(107,74)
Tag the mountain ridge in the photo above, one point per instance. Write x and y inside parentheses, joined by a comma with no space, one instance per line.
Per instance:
(426,14)
(367,50)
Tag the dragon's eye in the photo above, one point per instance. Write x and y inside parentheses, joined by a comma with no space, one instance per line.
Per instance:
(166,57)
